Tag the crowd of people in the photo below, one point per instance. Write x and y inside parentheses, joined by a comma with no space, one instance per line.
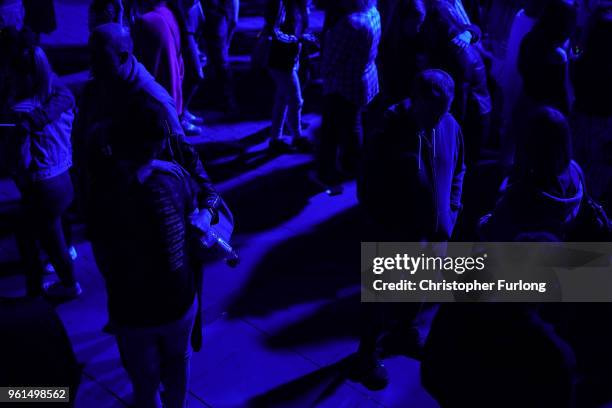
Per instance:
(414,101)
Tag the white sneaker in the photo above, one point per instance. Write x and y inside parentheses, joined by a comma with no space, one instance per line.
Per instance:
(58,290)
(73,253)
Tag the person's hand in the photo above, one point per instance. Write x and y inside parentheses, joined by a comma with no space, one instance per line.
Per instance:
(161,166)
(462,40)
(201,220)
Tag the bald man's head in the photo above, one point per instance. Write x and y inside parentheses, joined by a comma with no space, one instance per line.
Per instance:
(111,48)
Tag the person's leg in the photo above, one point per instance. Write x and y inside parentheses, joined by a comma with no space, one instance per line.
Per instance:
(55,196)
(281,99)
(295,102)
(175,358)
(26,236)
(351,137)
(327,147)
(140,355)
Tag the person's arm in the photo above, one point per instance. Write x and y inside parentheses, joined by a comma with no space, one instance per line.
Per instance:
(148,47)
(458,174)
(60,101)
(187,156)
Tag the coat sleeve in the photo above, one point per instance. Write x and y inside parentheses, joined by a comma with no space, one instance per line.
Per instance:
(60,101)
(188,157)
(458,173)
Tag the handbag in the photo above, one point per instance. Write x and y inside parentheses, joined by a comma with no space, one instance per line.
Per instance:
(591,223)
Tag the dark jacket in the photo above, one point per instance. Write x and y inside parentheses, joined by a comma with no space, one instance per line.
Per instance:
(525,207)
(412,181)
(545,73)
(103,110)
(147,268)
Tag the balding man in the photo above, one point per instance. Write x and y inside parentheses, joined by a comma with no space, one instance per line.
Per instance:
(118,82)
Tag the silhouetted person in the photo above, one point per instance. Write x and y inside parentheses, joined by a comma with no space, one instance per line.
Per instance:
(496,355)
(40,153)
(546,187)
(350,83)
(453,44)
(40,16)
(142,248)
(160,38)
(411,191)
(591,119)
(421,149)
(103,12)
(286,29)
(402,49)
(221,21)
(543,57)
(118,78)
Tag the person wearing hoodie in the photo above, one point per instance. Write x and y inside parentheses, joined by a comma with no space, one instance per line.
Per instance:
(410,190)
(413,170)
(545,188)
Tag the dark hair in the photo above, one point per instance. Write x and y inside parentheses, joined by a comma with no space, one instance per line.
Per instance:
(106,11)
(599,36)
(558,21)
(435,84)
(27,64)
(545,150)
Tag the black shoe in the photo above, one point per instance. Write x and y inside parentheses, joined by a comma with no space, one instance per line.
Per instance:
(302,144)
(190,129)
(277,146)
(331,187)
(406,342)
(370,372)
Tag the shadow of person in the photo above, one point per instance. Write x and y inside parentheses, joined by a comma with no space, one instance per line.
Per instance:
(308,267)
(308,391)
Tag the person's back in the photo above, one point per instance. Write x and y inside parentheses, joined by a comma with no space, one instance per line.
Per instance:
(546,187)
(349,56)
(149,278)
(543,59)
(591,78)
(157,41)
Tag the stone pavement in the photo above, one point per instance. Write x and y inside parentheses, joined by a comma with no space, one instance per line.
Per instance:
(279,327)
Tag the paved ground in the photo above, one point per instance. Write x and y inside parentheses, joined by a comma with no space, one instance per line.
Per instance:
(279,327)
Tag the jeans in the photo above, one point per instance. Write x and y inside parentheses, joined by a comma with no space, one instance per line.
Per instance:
(287,103)
(341,138)
(44,204)
(11,14)
(219,28)
(158,355)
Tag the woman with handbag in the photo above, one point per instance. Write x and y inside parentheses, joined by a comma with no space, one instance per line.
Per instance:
(285,29)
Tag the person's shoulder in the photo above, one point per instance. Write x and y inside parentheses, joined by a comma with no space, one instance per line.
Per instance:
(150,22)
(559,56)
(448,121)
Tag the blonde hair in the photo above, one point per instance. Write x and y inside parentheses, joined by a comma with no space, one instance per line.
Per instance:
(42,75)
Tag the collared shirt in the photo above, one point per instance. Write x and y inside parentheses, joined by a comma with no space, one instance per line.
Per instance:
(349,57)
